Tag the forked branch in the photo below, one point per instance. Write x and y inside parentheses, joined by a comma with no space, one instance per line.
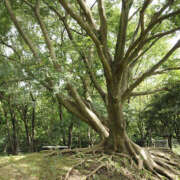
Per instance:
(88,14)
(82,54)
(92,35)
(135,47)
(150,71)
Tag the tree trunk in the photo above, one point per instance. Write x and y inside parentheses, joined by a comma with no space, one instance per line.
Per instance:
(15,143)
(33,126)
(116,123)
(28,138)
(64,138)
(9,142)
(89,137)
(70,129)
(60,112)
(25,120)
(170,141)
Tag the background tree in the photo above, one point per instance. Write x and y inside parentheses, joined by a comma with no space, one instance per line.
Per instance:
(162,114)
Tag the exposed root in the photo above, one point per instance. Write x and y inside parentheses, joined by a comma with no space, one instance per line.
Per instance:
(164,172)
(158,166)
(159,163)
(95,170)
(95,149)
(71,169)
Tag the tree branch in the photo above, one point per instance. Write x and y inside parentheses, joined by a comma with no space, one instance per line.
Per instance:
(87,13)
(165,70)
(142,53)
(135,34)
(93,4)
(134,14)
(63,19)
(147,92)
(11,59)
(90,114)
(144,7)
(159,35)
(28,3)
(103,22)
(80,21)
(92,35)
(82,54)
(140,42)
(44,31)
(150,71)
(121,37)
(17,25)
(10,46)
(73,108)
(93,79)
(166,5)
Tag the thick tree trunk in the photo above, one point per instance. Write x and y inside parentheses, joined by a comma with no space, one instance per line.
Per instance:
(116,123)
(118,140)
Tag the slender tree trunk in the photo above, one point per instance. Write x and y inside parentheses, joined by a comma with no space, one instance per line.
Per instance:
(33,126)
(9,141)
(170,141)
(60,111)
(70,130)
(28,138)
(89,137)
(23,113)
(64,138)
(14,134)
(79,140)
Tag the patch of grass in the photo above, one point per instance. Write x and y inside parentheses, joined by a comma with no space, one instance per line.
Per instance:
(176,149)
(35,166)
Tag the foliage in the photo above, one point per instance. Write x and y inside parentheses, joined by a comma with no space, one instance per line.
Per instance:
(162,114)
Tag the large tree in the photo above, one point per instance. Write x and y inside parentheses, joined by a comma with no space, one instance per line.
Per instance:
(110,44)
